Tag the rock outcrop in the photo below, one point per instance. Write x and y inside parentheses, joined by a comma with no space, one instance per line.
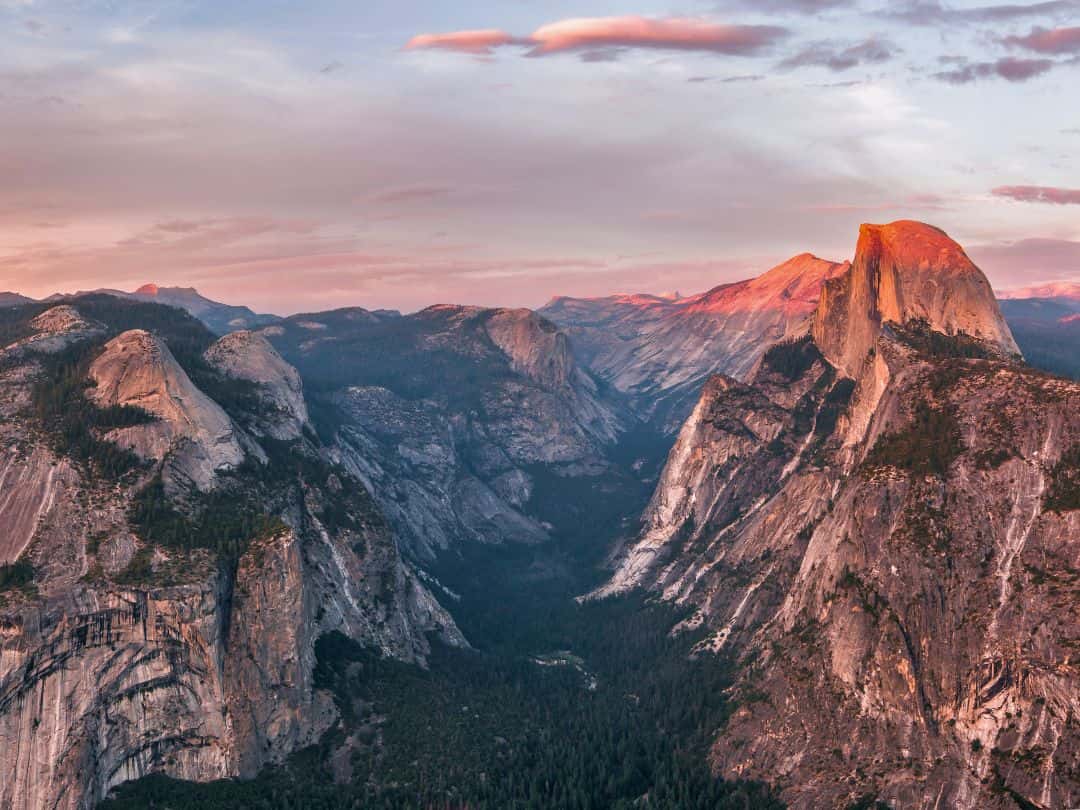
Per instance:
(889,556)
(660,351)
(249,356)
(54,330)
(902,272)
(189,429)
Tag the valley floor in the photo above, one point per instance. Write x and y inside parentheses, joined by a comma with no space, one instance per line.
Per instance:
(560,705)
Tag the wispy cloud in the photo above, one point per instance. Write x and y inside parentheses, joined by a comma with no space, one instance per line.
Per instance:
(480,43)
(931,12)
(413,193)
(1018,262)
(788,6)
(592,34)
(842,57)
(1008,68)
(1048,40)
(1039,194)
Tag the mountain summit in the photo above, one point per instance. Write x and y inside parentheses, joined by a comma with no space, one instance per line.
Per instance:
(906,271)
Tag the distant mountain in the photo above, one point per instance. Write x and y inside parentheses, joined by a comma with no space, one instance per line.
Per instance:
(219,318)
(661,350)
(10,299)
(1045,321)
(462,420)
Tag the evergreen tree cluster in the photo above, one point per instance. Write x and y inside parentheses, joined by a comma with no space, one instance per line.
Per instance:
(74,424)
(926,446)
(792,358)
(623,722)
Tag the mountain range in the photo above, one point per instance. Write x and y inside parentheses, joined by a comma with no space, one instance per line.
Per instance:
(820,526)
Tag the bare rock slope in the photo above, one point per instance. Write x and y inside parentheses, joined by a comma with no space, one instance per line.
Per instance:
(250,356)
(137,370)
(906,271)
(892,556)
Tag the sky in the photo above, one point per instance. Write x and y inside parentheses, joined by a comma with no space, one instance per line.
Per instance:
(300,155)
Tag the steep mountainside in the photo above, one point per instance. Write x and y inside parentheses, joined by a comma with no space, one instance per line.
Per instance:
(891,555)
(903,272)
(156,621)
(661,351)
(456,417)
(189,433)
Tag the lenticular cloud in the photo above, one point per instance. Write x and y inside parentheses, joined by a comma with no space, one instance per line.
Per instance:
(676,33)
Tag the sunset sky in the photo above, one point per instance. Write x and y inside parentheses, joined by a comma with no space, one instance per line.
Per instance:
(307,154)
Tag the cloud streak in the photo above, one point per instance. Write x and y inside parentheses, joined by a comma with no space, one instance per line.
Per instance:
(592,34)
(1039,194)
(931,12)
(1008,68)
(794,6)
(1048,40)
(838,58)
(478,43)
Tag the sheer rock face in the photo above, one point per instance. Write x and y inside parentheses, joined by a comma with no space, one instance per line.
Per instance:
(660,351)
(114,686)
(193,669)
(30,481)
(250,356)
(907,614)
(906,271)
(138,370)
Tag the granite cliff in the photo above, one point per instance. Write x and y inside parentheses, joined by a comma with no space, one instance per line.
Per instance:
(167,573)
(881,526)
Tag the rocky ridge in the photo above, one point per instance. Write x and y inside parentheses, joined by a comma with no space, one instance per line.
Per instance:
(890,555)
(660,351)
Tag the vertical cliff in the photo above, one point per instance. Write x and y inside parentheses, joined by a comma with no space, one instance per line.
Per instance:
(906,271)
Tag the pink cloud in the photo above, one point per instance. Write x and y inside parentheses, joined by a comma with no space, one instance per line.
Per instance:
(589,34)
(1039,194)
(1049,40)
(480,43)
(641,32)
